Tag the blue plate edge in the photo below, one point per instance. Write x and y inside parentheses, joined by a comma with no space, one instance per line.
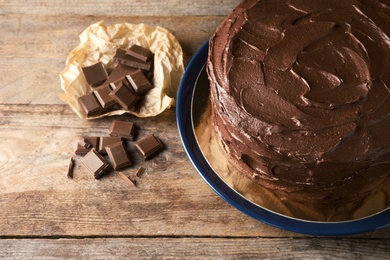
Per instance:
(187,136)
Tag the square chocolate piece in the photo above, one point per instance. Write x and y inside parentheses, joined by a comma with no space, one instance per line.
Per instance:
(105,141)
(139,52)
(118,74)
(124,96)
(148,146)
(121,57)
(122,129)
(95,163)
(95,74)
(139,82)
(118,156)
(102,94)
(90,104)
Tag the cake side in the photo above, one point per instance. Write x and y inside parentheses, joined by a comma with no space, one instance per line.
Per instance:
(300,95)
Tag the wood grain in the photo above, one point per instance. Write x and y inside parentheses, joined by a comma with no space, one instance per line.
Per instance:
(194,248)
(119,7)
(172,213)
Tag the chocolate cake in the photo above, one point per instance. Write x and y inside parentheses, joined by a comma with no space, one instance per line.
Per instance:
(300,95)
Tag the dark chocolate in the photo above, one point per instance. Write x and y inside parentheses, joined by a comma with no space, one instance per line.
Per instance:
(127,179)
(90,104)
(139,52)
(130,61)
(70,168)
(139,82)
(124,96)
(102,94)
(148,146)
(118,74)
(95,163)
(118,156)
(105,141)
(122,129)
(95,74)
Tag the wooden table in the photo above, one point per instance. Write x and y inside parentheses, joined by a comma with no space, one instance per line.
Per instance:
(173,213)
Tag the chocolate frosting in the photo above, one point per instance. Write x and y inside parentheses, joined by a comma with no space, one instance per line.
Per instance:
(300,94)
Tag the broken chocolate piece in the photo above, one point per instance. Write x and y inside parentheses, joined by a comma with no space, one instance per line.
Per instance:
(95,163)
(122,58)
(140,172)
(124,96)
(95,74)
(90,104)
(105,141)
(70,168)
(139,52)
(103,96)
(118,74)
(123,129)
(148,146)
(139,82)
(118,156)
(127,179)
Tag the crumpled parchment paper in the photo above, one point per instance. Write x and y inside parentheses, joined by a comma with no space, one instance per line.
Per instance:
(99,42)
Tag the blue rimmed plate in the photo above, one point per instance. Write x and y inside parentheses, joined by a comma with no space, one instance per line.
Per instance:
(189,106)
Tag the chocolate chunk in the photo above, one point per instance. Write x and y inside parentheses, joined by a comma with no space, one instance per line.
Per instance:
(127,179)
(123,129)
(148,146)
(102,94)
(139,52)
(85,145)
(105,141)
(90,104)
(70,168)
(139,82)
(118,156)
(140,172)
(95,74)
(125,97)
(118,74)
(95,163)
(122,58)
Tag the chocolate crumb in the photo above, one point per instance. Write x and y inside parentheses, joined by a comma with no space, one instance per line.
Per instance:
(140,172)
(70,168)
(127,179)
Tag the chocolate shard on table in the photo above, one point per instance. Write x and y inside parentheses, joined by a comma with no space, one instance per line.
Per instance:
(122,129)
(105,141)
(148,146)
(139,82)
(122,58)
(118,156)
(125,97)
(139,52)
(127,179)
(70,168)
(90,104)
(95,163)
(95,74)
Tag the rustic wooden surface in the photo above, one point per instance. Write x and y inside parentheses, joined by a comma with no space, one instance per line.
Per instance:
(172,213)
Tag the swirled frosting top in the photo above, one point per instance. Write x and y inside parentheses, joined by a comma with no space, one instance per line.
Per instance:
(311,79)
(308,63)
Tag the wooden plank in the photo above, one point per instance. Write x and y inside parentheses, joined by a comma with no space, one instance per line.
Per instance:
(37,198)
(194,248)
(42,48)
(54,36)
(119,7)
